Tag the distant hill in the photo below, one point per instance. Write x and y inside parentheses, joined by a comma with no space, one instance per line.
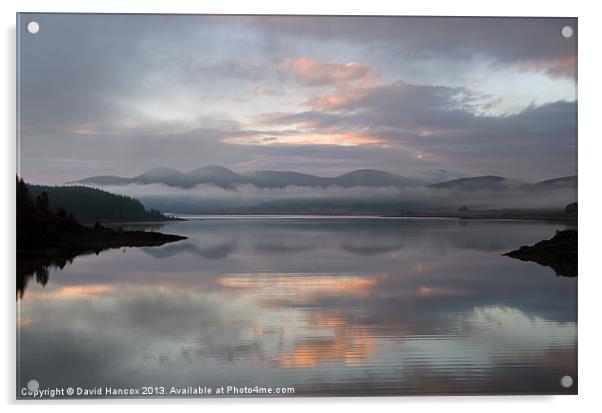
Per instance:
(165,176)
(565,182)
(499,183)
(372,177)
(490,182)
(280,179)
(106,180)
(373,191)
(217,175)
(226,178)
(90,204)
(436,176)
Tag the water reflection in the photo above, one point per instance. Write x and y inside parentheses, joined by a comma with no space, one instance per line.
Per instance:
(38,267)
(346,307)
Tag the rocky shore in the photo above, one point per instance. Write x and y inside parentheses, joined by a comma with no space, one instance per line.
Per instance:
(559,253)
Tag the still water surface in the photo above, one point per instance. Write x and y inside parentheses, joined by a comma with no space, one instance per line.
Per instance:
(347,306)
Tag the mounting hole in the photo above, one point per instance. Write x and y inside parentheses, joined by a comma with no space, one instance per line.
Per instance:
(33,385)
(566,32)
(566,382)
(33,27)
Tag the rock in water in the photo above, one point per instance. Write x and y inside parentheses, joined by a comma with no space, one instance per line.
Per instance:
(559,253)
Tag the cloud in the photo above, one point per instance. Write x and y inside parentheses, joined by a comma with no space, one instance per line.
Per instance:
(501,40)
(411,103)
(304,138)
(126,93)
(556,68)
(313,72)
(444,123)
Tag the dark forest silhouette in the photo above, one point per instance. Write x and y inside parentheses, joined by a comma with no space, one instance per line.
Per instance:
(48,238)
(91,204)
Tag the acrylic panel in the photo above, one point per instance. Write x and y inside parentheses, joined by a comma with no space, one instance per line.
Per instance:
(259,206)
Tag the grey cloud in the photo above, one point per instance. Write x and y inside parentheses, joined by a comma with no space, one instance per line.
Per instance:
(116,78)
(401,105)
(441,122)
(83,68)
(504,40)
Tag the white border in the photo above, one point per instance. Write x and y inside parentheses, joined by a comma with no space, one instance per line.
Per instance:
(589,181)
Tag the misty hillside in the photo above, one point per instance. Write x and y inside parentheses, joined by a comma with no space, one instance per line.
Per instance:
(568,181)
(104,180)
(489,182)
(216,189)
(217,175)
(280,179)
(499,183)
(90,204)
(436,176)
(226,178)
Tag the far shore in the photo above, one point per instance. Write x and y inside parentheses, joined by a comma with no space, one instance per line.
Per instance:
(527,215)
(112,222)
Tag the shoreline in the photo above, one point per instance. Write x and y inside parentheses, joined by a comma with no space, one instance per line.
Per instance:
(559,253)
(476,215)
(37,258)
(504,215)
(89,223)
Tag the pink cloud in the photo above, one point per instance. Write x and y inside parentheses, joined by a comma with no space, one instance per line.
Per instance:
(268,91)
(340,99)
(350,81)
(325,137)
(555,68)
(313,72)
(236,101)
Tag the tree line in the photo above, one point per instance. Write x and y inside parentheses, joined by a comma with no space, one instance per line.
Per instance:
(84,203)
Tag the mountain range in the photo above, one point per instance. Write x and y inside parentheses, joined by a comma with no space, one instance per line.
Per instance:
(361,191)
(225,178)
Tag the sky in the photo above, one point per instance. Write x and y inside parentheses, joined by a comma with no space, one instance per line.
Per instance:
(117,95)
